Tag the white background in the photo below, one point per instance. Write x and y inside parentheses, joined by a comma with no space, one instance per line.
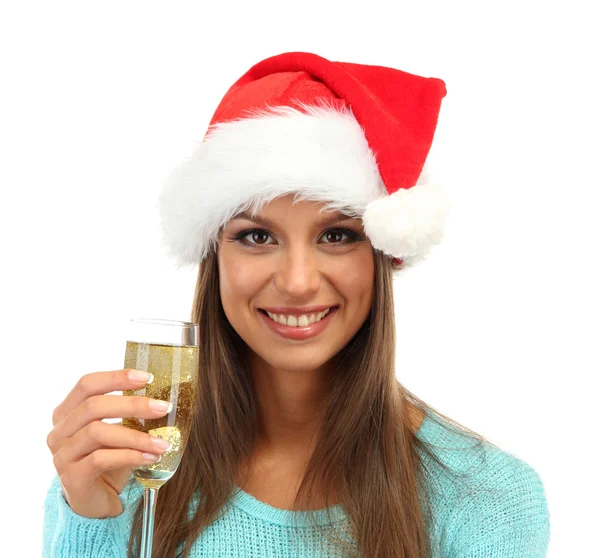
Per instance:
(499,329)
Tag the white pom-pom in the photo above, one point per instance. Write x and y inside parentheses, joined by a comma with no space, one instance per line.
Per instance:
(407,223)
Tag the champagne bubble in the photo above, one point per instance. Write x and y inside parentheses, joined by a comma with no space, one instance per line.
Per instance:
(175,370)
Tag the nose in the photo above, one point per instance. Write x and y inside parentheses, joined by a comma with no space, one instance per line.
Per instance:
(298,275)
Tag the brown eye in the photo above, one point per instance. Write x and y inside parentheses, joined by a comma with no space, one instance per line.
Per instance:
(336,236)
(331,236)
(252,237)
(257,235)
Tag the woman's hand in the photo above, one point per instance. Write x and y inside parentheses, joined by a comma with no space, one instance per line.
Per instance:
(94,459)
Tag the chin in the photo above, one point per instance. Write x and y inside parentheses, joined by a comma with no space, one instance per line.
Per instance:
(299,360)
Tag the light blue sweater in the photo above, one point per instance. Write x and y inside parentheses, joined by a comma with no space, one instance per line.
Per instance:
(503,513)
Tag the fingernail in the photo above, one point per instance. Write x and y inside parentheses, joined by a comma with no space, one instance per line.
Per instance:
(160,443)
(151,457)
(140,376)
(162,406)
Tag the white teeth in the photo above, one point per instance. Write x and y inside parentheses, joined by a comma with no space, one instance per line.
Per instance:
(300,321)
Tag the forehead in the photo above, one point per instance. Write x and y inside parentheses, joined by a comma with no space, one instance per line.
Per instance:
(319,211)
(321,218)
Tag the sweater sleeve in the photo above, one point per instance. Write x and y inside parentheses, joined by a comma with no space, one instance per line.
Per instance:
(509,520)
(67,534)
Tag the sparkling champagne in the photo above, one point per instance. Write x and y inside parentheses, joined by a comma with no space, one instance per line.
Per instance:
(175,370)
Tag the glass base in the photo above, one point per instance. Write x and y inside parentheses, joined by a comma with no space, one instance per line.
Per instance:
(152,479)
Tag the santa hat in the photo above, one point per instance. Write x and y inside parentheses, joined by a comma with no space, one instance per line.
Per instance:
(353,136)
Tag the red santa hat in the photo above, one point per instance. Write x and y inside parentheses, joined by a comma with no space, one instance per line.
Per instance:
(353,136)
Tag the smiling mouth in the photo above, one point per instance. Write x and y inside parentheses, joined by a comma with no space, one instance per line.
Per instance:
(330,311)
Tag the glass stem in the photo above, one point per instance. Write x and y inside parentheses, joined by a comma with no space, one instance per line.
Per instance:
(148,521)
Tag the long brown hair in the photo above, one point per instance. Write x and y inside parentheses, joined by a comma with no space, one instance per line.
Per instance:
(367,453)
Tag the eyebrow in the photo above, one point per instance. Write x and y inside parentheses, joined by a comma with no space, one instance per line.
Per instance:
(267,223)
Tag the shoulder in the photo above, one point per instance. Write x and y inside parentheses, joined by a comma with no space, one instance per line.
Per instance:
(490,502)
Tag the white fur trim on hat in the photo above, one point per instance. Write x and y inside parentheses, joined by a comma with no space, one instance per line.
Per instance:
(321,155)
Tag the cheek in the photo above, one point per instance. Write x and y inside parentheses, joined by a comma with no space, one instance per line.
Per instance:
(237,281)
(355,279)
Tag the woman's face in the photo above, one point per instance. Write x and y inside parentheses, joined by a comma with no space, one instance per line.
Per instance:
(290,257)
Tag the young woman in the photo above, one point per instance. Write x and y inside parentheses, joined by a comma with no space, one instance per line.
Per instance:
(305,197)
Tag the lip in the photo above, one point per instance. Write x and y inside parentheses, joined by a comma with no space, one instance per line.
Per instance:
(299,333)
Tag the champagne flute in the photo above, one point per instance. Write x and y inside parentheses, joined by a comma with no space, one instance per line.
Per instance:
(168,350)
